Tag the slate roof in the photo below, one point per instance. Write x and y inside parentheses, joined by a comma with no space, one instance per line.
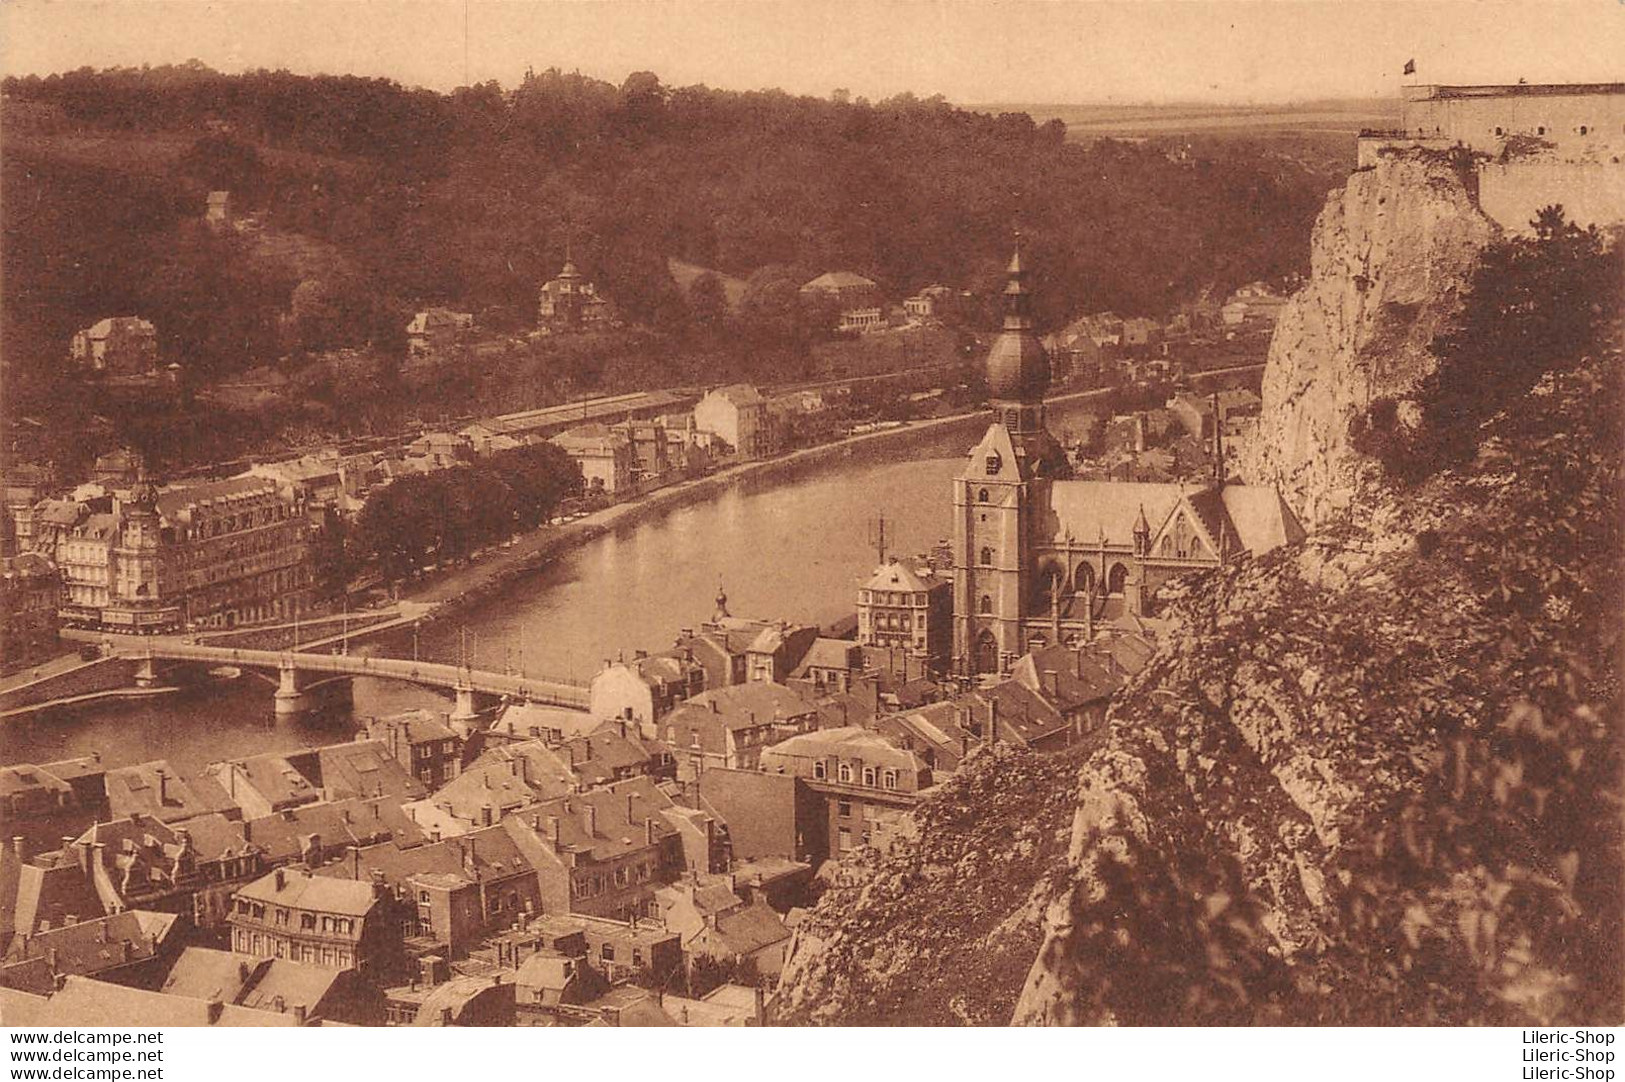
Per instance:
(86,1002)
(338,823)
(751,929)
(136,790)
(317,893)
(173,502)
(91,946)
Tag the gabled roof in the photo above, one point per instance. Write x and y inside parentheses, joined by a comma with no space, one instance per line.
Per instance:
(156,788)
(482,854)
(906,575)
(47,888)
(317,893)
(751,929)
(364,768)
(1021,711)
(623,813)
(505,777)
(183,499)
(86,1002)
(204,973)
(291,984)
(740,394)
(603,754)
(94,945)
(337,823)
(520,719)
(831,654)
(739,706)
(850,740)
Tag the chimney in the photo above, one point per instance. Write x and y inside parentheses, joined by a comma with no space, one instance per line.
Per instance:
(280,880)
(82,848)
(126,950)
(589,819)
(629,797)
(163,787)
(992,733)
(50,958)
(17,846)
(553,829)
(215,1010)
(278,1004)
(1052,682)
(445,1016)
(649,830)
(299,1013)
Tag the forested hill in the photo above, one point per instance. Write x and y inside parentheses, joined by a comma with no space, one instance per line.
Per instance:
(471,198)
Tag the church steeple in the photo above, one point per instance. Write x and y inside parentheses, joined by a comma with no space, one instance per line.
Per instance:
(1017,366)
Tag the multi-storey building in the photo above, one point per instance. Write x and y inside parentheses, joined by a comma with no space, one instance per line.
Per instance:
(908,606)
(737,415)
(571,303)
(604,455)
(212,555)
(865,777)
(318,920)
(121,345)
(729,726)
(30,591)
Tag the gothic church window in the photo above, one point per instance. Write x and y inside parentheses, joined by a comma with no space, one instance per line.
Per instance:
(986,605)
(981,497)
(987,556)
(1117,578)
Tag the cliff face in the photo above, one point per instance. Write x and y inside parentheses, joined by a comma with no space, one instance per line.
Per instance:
(1373,778)
(1389,254)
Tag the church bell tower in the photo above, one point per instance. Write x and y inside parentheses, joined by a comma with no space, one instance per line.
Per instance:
(1005,476)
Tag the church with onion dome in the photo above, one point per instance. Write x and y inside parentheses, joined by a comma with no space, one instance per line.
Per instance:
(1041,558)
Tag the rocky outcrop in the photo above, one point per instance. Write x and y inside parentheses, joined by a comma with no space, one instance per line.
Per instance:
(1370,779)
(1332,797)
(941,929)
(1389,256)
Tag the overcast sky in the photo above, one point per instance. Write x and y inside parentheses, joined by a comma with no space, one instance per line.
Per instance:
(972,51)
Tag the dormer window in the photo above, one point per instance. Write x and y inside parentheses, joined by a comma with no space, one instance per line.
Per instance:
(993,464)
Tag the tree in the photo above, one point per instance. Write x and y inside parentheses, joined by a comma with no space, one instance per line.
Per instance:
(1535,305)
(708,301)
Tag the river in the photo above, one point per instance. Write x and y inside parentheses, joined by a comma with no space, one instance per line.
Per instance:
(794,544)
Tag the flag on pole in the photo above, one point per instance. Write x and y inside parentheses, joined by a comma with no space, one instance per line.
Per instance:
(1410,67)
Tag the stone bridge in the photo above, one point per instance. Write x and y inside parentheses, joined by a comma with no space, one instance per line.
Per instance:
(297,669)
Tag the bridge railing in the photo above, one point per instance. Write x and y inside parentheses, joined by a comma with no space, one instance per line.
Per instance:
(422,672)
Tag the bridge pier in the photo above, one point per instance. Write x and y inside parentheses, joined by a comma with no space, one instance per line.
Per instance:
(290,697)
(465,711)
(146,673)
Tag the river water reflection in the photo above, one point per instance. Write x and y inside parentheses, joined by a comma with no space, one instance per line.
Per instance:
(794,545)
